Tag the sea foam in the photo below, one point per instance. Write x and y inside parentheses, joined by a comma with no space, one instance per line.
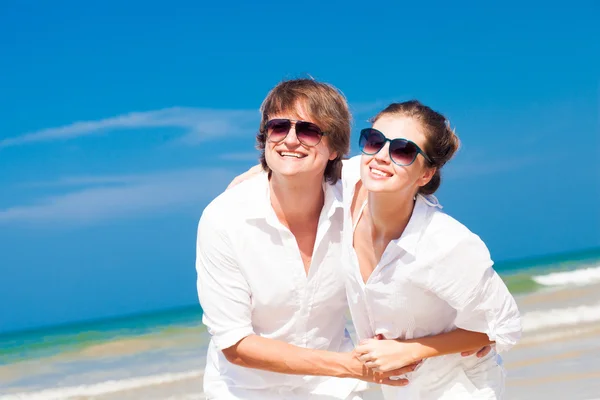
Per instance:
(584,276)
(107,387)
(560,317)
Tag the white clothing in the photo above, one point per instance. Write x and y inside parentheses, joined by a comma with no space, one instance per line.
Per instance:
(251,280)
(436,277)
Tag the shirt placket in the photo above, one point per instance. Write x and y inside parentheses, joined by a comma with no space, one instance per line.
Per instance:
(298,276)
(387,258)
(314,272)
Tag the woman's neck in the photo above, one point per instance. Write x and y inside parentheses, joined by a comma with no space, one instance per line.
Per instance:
(389,214)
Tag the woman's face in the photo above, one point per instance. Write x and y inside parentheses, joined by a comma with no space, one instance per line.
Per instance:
(380,174)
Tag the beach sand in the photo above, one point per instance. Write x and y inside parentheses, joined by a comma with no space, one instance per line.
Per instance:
(555,359)
(558,357)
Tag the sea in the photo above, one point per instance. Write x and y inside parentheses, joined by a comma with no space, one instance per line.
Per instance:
(161,355)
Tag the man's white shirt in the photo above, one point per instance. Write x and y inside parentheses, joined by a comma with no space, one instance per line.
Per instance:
(251,280)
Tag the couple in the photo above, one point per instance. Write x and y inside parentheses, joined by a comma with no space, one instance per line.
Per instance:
(281,256)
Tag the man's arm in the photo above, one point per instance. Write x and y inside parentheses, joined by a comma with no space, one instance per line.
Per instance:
(272,355)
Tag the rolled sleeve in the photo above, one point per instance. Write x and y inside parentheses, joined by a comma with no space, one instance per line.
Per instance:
(465,279)
(223,290)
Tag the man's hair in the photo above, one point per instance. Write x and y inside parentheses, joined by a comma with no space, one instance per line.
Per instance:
(325,105)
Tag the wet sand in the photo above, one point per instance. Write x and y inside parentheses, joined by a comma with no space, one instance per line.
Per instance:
(562,362)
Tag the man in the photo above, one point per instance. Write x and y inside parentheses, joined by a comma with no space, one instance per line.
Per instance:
(268,253)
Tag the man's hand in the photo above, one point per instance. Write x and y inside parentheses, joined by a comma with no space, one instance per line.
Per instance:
(482,352)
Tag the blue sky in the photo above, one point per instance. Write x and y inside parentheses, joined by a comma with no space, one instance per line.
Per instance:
(121,121)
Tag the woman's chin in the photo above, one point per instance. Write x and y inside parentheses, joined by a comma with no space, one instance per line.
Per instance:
(377,185)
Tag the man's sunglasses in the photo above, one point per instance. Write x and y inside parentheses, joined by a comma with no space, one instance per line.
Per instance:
(403,152)
(307,133)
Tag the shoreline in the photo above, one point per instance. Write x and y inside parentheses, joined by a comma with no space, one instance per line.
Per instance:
(555,359)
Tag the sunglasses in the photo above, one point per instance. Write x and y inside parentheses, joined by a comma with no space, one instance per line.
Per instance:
(403,152)
(307,133)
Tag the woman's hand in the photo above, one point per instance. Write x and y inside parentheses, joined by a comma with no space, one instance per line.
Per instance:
(386,355)
(358,370)
(482,352)
(245,176)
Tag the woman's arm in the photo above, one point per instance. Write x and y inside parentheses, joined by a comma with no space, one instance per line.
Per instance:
(389,354)
(486,312)
(255,170)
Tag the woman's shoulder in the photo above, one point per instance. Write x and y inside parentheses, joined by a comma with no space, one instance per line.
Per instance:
(444,235)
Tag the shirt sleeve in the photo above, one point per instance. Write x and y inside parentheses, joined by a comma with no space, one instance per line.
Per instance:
(223,291)
(465,279)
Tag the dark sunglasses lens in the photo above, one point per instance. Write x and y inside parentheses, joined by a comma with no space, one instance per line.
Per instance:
(371,141)
(277,129)
(308,133)
(403,152)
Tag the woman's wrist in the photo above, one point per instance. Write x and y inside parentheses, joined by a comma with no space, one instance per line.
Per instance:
(415,351)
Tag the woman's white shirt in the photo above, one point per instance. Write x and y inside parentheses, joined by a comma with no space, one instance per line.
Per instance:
(436,277)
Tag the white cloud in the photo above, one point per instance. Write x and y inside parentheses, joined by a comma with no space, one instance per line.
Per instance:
(134,195)
(85,181)
(242,156)
(198,123)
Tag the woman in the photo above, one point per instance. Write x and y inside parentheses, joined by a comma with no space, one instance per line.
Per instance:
(418,278)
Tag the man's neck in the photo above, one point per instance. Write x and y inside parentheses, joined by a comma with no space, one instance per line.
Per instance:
(297,201)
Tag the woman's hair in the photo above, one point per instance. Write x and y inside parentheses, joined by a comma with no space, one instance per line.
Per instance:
(324,103)
(441,142)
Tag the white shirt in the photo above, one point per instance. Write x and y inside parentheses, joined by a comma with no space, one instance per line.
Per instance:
(436,277)
(251,280)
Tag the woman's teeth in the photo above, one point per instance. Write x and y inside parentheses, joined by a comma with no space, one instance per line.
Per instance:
(380,173)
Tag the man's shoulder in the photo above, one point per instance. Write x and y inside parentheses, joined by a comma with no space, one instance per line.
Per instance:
(351,171)
(235,202)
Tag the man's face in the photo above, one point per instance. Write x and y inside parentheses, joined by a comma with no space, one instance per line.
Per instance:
(290,157)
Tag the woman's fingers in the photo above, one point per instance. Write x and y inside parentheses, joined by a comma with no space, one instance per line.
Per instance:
(392,382)
(365,346)
(365,358)
(372,365)
(484,351)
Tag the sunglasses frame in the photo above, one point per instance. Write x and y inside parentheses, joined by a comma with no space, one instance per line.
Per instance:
(367,131)
(293,122)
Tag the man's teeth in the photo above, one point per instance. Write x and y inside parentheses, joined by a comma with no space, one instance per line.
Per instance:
(290,154)
(380,173)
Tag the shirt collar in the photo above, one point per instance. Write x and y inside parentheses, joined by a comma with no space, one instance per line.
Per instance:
(413,231)
(259,207)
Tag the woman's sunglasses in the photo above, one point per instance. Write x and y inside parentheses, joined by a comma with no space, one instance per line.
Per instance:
(403,152)
(307,133)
